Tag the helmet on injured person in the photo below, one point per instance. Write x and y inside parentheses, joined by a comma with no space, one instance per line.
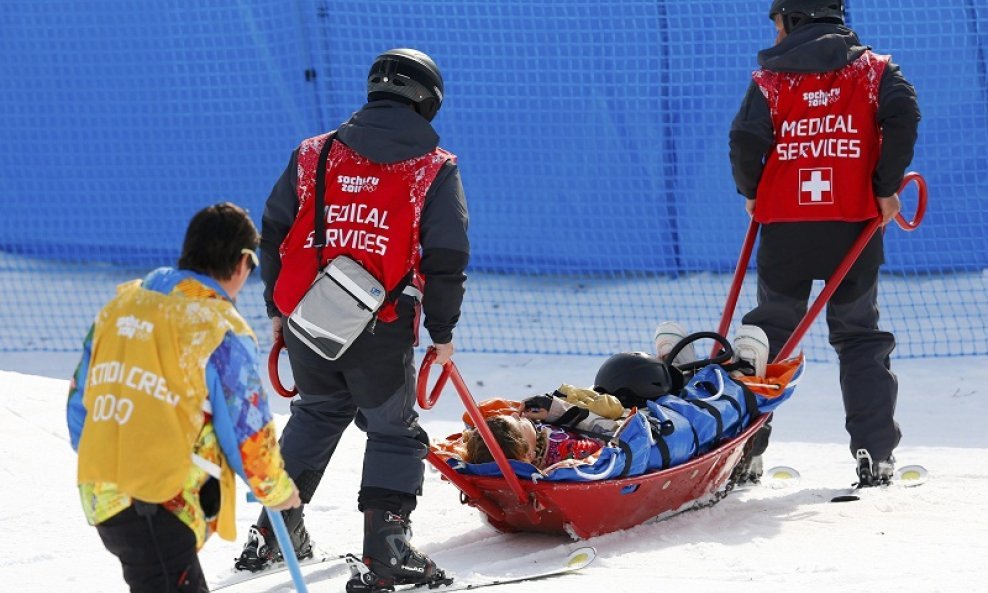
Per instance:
(636,377)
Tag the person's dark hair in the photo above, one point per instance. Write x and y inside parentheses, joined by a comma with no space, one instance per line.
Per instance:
(511,441)
(796,13)
(215,238)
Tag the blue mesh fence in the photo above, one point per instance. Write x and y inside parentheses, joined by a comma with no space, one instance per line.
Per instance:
(592,139)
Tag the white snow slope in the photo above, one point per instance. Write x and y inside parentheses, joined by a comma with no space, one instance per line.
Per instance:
(930,538)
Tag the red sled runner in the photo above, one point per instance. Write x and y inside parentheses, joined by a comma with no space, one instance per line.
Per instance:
(586,509)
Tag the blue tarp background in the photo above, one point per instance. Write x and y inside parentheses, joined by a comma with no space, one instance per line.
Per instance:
(592,136)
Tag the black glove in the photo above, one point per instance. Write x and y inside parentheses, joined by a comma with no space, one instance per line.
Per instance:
(539,402)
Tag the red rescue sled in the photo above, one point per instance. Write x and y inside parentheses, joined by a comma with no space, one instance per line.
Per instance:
(587,509)
(580,509)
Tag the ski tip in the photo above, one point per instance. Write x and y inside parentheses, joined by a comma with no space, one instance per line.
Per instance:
(845,498)
(780,476)
(580,558)
(911,475)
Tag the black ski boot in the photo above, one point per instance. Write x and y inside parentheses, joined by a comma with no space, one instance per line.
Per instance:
(262,550)
(874,473)
(389,558)
(751,471)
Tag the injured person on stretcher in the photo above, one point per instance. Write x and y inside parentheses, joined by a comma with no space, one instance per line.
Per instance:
(643,414)
(546,431)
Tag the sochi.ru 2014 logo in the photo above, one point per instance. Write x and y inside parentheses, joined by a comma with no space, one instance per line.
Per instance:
(132,327)
(821,98)
(353,184)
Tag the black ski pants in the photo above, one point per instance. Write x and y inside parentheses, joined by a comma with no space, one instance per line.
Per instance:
(867,383)
(373,385)
(157,551)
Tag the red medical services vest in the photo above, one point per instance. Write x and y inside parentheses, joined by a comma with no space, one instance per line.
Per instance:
(372,210)
(827,143)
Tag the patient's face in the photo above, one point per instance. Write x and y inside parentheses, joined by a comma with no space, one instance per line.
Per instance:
(526,428)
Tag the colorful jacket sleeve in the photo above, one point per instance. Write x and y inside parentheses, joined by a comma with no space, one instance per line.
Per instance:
(75,412)
(242,419)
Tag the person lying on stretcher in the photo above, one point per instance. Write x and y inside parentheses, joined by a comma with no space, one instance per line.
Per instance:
(685,415)
(548,431)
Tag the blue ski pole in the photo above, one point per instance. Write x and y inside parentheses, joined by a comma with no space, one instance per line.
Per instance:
(285,542)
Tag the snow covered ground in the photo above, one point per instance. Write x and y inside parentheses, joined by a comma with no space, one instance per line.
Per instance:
(930,538)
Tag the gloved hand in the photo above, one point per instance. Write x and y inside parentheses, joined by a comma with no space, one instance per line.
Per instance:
(537,407)
(602,404)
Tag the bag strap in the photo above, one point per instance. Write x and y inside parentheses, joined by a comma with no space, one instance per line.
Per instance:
(319,224)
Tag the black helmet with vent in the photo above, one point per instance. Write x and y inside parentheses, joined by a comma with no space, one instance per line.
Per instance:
(795,13)
(635,377)
(407,75)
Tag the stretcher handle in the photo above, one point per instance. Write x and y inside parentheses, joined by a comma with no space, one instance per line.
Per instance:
(852,256)
(739,272)
(921,190)
(427,402)
(279,344)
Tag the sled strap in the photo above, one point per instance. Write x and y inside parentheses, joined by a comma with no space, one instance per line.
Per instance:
(750,402)
(660,443)
(713,412)
(626,449)
(572,417)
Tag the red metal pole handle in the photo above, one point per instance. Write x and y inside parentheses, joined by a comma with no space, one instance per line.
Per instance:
(276,348)
(480,424)
(828,289)
(739,272)
(427,401)
(913,224)
(852,256)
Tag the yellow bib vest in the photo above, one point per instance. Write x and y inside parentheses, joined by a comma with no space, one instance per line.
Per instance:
(146,392)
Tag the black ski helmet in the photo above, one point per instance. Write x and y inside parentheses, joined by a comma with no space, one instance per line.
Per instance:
(411,76)
(798,12)
(634,377)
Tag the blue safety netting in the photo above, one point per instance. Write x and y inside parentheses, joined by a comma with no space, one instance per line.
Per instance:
(592,138)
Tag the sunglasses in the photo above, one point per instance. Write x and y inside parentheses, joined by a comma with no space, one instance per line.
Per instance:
(254,262)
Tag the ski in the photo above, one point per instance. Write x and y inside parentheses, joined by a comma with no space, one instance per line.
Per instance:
(576,560)
(908,476)
(235,577)
(911,475)
(775,478)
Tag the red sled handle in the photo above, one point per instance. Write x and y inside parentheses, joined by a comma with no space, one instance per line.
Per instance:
(739,272)
(835,279)
(426,402)
(276,383)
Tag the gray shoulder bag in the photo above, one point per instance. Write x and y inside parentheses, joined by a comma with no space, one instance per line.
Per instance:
(344,297)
